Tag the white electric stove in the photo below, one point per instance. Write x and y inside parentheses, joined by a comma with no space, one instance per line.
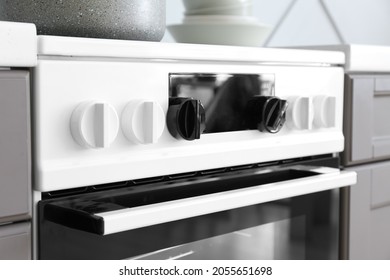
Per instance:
(131,137)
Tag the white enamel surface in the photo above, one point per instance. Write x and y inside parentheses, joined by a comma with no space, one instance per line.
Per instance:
(104,49)
(61,85)
(132,218)
(18,44)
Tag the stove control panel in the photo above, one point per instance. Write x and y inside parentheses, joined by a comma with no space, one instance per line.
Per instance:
(94,124)
(203,103)
(108,121)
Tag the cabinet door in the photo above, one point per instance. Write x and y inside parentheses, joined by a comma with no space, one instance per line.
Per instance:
(366,118)
(15,241)
(15,155)
(370,213)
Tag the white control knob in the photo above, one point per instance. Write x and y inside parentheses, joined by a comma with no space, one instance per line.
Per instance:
(143,121)
(301,113)
(94,124)
(325,111)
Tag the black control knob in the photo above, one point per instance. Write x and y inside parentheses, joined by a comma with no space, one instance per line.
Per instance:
(186,118)
(266,113)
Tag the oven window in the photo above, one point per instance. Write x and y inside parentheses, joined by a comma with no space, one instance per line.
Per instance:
(272,241)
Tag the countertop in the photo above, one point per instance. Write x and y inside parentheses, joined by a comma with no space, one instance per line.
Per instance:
(18,44)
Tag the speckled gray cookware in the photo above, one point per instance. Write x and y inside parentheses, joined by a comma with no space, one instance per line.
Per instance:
(114,19)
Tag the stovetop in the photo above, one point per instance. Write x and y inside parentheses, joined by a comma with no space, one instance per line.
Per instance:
(20,46)
(120,49)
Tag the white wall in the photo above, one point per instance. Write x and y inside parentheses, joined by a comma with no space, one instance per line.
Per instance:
(312,22)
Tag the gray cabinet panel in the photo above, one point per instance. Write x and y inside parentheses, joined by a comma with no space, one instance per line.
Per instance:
(370,213)
(381,127)
(380,234)
(367,115)
(362,119)
(380,191)
(15,241)
(360,216)
(382,84)
(15,155)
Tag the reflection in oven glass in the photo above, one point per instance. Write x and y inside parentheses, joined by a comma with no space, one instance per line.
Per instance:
(269,241)
(224,97)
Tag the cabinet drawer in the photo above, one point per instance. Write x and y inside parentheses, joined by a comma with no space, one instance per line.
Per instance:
(369,212)
(366,118)
(15,155)
(380,189)
(15,241)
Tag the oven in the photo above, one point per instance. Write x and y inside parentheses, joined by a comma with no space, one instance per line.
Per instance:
(168,151)
(261,211)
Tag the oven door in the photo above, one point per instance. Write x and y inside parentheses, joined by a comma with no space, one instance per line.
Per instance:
(263,213)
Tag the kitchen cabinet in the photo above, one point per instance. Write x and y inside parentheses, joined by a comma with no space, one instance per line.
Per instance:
(367,151)
(370,212)
(15,165)
(15,241)
(367,114)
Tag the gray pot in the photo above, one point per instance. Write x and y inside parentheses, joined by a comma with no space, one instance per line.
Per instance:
(113,19)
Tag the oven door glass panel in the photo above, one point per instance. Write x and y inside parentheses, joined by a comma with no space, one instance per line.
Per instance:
(272,241)
(304,227)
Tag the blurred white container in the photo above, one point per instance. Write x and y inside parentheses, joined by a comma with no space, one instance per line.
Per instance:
(205,4)
(221,30)
(219,7)
(220,22)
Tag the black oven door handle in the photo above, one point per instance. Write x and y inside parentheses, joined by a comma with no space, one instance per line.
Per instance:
(106,218)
